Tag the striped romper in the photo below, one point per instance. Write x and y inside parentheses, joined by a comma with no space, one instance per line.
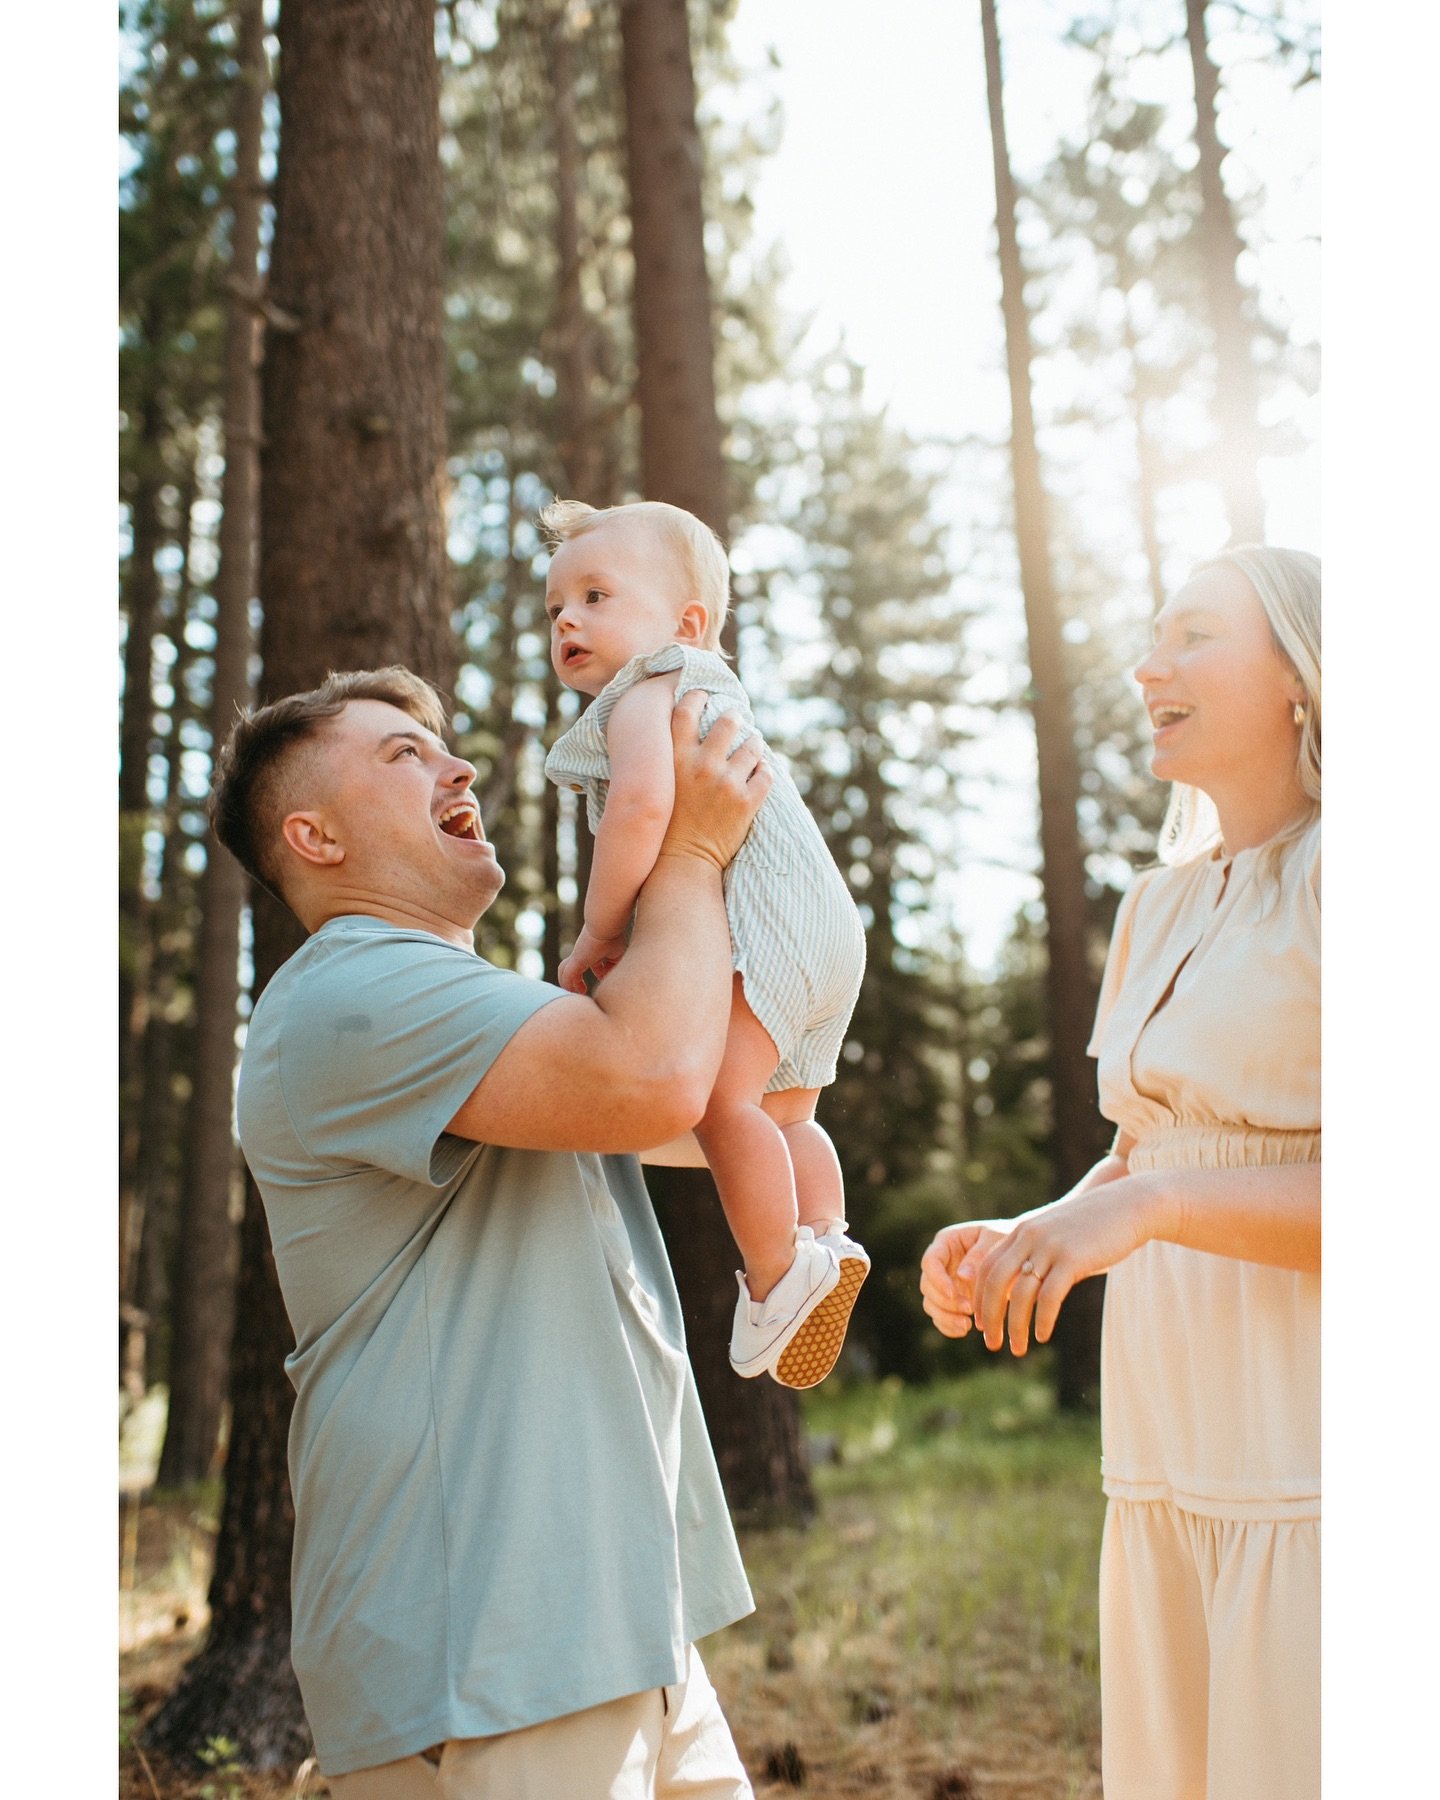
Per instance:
(796,936)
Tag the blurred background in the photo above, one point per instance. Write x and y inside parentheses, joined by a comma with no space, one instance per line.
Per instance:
(970,328)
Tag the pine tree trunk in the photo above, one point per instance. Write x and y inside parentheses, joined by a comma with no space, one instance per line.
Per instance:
(1070,990)
(142,605)
(580,450)
(204,1273)
(166,937)
(680,438)
(754,1425)
(137,716)
(352,575)
(1236,386)
(353,565)
(1147,481)
(241,1685)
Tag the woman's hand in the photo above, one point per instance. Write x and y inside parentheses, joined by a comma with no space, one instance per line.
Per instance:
(949,1301)
(1029,1271)
(592,953)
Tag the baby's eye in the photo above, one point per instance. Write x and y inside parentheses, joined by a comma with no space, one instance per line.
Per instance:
(592,595)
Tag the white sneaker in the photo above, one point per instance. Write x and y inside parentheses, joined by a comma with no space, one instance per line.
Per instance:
(836,1235)
(794,1334)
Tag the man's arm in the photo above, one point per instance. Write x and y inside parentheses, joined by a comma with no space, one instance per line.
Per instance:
(633,1065)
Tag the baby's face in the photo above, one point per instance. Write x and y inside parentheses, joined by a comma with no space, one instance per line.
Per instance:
(613,593)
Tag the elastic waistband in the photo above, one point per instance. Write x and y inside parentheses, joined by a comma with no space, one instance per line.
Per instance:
(1223,1147)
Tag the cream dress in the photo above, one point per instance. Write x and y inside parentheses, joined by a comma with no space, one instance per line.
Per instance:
(1208,1039)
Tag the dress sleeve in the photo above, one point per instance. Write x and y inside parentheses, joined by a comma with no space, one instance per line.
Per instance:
(386,1041)
(1117,960)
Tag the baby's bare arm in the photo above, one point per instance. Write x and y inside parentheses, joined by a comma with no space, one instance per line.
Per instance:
(638,808)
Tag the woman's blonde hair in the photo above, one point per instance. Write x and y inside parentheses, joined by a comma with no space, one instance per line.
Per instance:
(699,553)
(1288,585)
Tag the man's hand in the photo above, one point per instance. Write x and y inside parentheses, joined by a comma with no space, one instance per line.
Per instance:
(719,785)
(591,953)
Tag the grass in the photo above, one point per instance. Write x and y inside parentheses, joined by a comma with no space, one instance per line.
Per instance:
(934,1633)
(931,1637)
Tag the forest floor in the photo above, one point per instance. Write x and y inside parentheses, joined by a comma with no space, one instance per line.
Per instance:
(932,1636)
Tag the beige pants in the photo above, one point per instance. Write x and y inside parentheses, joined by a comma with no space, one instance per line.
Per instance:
(663,1743)
(1209,1656)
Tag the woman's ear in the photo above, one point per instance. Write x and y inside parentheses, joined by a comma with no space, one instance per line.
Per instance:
(306,835)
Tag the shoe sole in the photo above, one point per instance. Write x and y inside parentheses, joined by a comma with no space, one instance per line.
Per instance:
(811,1354)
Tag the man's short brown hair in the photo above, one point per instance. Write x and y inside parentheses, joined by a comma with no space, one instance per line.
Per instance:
(250,794)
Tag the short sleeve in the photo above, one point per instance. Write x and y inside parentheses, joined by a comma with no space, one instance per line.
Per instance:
(387,1035)
(1116,960)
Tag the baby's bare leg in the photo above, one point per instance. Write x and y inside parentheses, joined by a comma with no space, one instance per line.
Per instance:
(747,1153)
(819,1185)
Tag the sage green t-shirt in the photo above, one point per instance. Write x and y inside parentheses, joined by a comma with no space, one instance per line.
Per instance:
(506,1504)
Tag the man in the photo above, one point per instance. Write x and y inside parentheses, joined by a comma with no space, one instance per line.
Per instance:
(509,1529)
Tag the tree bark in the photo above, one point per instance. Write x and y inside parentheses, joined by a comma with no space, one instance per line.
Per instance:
(1147,476)
(680,439)
(137,721)
(137,714)
(150,1211)
(353,563)
(204,1274)
(1236,385)
(1070,989)
(580,449)
(754,1425)
(352,574)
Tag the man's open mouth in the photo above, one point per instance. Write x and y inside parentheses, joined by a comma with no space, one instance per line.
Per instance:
(461,821)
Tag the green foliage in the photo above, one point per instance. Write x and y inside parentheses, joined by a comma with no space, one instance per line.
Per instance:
(997,1427)
(855,608)
(941,1614)
(221,1754)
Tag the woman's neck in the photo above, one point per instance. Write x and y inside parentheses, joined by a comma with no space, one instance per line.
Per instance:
(1249,817)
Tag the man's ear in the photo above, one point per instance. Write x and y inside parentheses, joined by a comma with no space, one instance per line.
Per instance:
(690,627)
(306,835)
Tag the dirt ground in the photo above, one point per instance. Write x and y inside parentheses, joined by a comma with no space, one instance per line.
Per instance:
(897,1652)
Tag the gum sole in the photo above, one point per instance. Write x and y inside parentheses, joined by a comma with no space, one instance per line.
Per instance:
(810,1355)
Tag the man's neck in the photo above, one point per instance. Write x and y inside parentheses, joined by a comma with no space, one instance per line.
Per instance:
(394,912)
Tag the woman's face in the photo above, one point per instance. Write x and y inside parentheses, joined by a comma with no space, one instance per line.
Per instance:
(1220,696)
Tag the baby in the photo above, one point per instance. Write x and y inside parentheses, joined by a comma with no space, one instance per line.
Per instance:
(636,596)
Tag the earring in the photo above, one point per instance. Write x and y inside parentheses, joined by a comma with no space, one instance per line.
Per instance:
(1299,713)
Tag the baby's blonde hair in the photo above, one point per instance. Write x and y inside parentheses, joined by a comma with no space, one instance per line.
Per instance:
(1287,583)
(704,566)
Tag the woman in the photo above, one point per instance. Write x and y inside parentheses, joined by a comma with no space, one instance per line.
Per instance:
(1207,1212)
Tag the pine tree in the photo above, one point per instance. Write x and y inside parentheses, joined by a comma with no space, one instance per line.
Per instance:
(352,574)
(204,1282)
(876,755)
(754,1427)
(1071,988)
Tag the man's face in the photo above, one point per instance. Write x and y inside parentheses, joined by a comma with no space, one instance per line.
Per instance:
(397,806)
